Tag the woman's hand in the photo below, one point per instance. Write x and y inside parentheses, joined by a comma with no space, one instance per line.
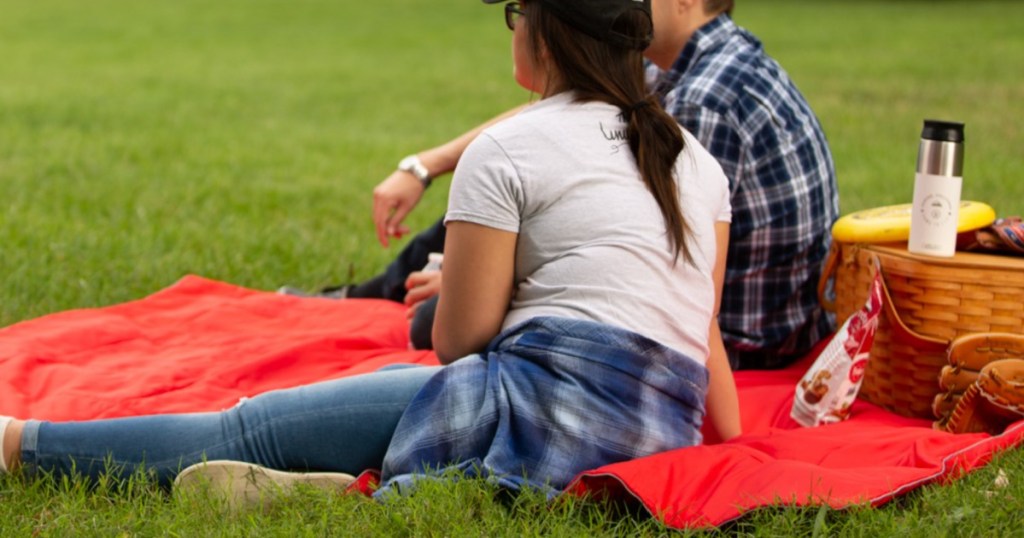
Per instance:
(420,286)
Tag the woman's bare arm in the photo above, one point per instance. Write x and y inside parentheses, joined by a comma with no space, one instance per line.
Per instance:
(476,287)
(722,400)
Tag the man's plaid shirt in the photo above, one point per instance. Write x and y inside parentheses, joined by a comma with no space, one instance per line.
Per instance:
(742,106)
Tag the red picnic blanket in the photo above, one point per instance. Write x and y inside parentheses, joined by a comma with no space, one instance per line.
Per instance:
(201,345)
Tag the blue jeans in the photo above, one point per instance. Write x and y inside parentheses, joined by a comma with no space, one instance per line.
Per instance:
(344,425)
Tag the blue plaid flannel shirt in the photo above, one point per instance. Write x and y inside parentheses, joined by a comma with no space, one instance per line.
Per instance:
(744,109)
(548,399)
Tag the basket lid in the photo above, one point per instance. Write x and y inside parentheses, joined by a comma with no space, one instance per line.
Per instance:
(889,224)
(1012,267)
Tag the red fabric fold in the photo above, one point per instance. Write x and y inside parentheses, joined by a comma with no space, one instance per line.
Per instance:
(201,345)
(197,345)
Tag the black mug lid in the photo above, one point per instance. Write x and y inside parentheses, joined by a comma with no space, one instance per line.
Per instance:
(943,131)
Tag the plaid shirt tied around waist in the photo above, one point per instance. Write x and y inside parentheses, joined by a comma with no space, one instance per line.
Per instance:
(548,399)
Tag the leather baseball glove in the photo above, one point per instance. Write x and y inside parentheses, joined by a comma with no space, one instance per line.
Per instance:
(968,356)
(993,402)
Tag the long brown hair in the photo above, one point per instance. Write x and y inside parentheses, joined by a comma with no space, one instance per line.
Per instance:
(598,71)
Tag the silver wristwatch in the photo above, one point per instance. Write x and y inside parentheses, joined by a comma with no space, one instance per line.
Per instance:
(414,166)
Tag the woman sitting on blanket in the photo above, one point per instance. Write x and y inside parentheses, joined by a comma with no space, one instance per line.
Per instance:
(577,323)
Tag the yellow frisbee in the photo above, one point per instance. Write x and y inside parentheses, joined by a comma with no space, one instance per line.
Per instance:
(892,223)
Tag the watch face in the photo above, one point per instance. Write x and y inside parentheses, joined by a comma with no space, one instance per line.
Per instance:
(413,165)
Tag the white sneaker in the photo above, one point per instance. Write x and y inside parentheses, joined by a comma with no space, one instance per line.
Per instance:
(245,485)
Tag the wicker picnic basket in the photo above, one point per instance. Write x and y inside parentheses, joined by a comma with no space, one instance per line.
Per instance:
(929,302)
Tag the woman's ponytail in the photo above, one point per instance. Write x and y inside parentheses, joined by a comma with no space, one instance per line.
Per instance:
(656,141)
(598,71)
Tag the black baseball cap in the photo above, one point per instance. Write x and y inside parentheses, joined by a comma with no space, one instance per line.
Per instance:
(597,18)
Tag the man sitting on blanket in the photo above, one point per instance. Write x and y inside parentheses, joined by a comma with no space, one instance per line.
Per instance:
(718,82)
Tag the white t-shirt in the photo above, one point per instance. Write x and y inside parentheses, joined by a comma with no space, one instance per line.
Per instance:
(592,241)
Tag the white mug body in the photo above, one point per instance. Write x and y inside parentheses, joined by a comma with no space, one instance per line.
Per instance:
(936,208)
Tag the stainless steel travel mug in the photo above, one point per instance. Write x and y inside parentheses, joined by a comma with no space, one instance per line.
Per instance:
(937,186)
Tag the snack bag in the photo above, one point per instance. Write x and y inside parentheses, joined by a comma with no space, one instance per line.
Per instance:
(826,392)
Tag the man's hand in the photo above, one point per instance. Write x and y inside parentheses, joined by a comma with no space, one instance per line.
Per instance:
(421,286)
(397,195)
(393,199)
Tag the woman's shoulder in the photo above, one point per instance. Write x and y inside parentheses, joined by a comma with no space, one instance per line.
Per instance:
(545,111)
(702,159)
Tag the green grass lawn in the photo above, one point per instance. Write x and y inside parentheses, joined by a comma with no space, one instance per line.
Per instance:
(240,140)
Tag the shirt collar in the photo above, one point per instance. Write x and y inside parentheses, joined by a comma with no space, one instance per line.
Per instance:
(712,34)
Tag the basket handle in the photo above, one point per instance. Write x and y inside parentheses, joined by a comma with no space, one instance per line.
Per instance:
(828,273)
(900,331)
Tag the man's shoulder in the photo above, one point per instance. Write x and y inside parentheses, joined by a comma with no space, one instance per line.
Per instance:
(734,80)
(730,67)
